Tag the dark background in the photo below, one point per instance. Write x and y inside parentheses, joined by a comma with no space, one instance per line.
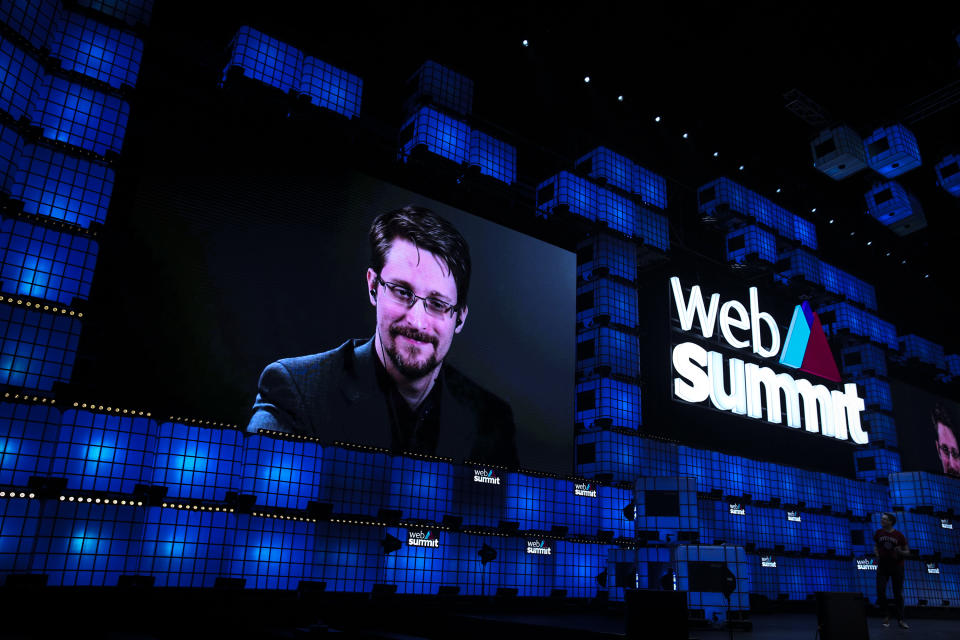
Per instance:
(916,433)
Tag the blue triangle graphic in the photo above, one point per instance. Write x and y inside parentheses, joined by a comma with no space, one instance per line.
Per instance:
(798,335)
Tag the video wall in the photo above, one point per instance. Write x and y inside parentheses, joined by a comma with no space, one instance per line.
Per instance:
(218,277)
(928,426)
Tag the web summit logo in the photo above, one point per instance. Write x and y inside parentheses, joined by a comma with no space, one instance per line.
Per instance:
(423,539)
(585,489)
(866,564)
(539,547)
(751,390)
(486,476)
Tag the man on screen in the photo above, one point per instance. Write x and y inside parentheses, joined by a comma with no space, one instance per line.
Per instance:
(946,442)
(393,390)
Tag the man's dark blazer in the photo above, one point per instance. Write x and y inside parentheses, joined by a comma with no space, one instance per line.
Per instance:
(334,396)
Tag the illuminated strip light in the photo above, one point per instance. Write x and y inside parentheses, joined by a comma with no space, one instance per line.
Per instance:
(281,516)
(207,423)
(104,501)
(45,306)
(195,507)
(28,398)
(108,409)
(17,494)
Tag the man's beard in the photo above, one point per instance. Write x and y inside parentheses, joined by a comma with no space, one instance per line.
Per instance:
(409,368)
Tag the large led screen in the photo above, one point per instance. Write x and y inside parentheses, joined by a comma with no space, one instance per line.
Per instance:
(927,430)
(217,277)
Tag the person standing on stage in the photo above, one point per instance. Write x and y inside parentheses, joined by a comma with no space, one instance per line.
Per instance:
(890,547)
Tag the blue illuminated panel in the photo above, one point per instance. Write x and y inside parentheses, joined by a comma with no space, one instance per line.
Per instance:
(61,186)
(948,173)
(415,569)
(32,19)
(838,152)
(270,553)
(603,350)
(602,297)
(617,212)
(710,602)
(358,482)
(281,472)
(577,566)
(495,158)
(609,166)
(19,519)
(331,88)
(28,435)
(846,317)
(530,574)
(574,508)
(197,462)
(442,135)
(183,548)
(686,517)
(10,144)
(653,228)
(531,501)
(479,503)
(650,187)
(102,452)
(609,399)
(81,116)
(443,87)
(876,464)
(580,196)
(43,263)
(266,59)
(420,489)
(718,197)
(348,556)
(37,349)
(798,263)
(19,75)
(609,452)
(882,429)
(725,193)
(889,203)
(953,364)
(926,534)
(912,489)
(98,51)
(923,350)
(606,252)
(130,11)
(892,150)
(87,544)
(751,240)
(876,393)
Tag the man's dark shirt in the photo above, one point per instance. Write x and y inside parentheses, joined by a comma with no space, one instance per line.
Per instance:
(887,542)
(338,396)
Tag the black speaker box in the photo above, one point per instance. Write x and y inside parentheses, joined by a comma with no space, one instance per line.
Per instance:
(656,614)
(842,616)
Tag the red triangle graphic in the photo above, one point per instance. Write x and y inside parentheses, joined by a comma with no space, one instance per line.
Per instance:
(818,358)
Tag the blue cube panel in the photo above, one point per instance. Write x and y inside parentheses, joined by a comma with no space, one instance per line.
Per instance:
(913,347)
(270,553)
(494,157)
(602,297)
(281,472)
(20,75)
(608,166)
(603,349)
(581,197)
(347,556)
(876,464)
(184,548)
(266,59)
(10,145)
(96,50)
(838,152)
(359,482)
(611,452)
(846,317)
(607,252)
(28,436)
(751,240)
(650,187)
(87,544)
(81,116)
(131,12)
(948,173)
(104,452)
(43,263)
(416,569)
(197,462)
(443,87)
(420,489)
(577,566)
(888,202)
(19,520)
(442,135)
(609,399)
(725,193)
(331,88)
(55,184)
(32,19)
(617,212)
(892,150)
(37,349)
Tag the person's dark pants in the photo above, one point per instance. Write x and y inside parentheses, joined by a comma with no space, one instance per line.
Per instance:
(894,573)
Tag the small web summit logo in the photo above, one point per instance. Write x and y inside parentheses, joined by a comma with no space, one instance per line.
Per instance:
(806,345)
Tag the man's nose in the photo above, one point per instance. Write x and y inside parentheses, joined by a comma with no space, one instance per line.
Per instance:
(417,314)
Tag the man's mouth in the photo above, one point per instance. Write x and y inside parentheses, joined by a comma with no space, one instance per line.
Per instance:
(413,337)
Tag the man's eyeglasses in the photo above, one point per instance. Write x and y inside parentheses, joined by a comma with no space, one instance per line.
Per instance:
(948,452)
(404,296)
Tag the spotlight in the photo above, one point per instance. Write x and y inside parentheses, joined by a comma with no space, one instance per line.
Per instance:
(853,233)
(813,210)
(831,220)
(586,79)
(926,275)
(525,43)
(619,98)
(716,154)
(869,242)
(903,262)
(657,119)
(686,136)
(779,189)
(741,167)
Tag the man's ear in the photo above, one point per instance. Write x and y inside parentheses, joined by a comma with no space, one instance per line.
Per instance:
(461,320)
(372,286)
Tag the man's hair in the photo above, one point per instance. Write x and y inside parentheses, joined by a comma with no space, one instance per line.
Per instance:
(893,518)
(940,416)
(427,231)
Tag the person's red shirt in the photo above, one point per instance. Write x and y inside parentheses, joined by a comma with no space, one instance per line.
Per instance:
(888,545)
